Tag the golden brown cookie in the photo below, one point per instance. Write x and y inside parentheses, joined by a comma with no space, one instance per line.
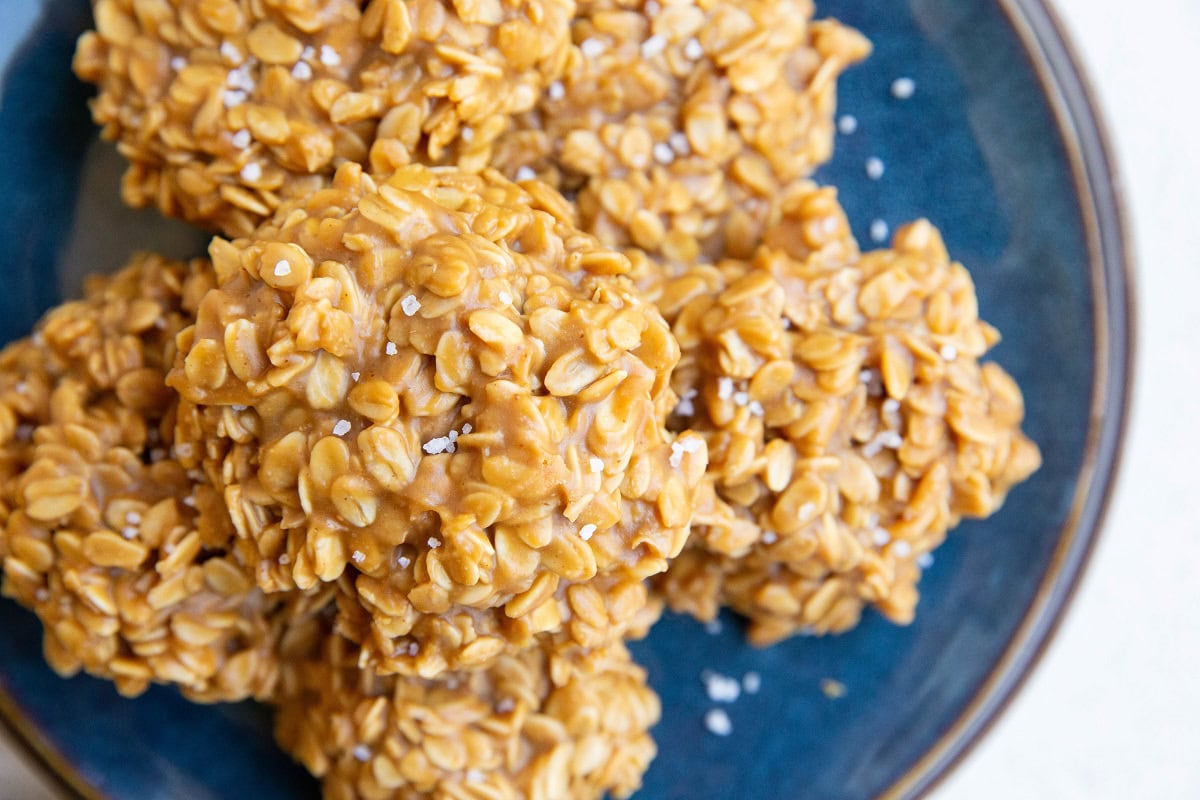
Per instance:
(123,556)
(850,422)
(435,385)
(678,124)
(533,726)
(222,107)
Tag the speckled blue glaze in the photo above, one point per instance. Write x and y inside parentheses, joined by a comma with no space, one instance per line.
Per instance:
(976,150)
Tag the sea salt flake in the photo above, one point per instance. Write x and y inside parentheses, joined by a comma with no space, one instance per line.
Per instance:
(847,124)
(282,268)
(329,56)
(341,427)
(596,465)
(241,78)
(901,548)
(751,682)
(592,47)
(718,722)
(686,406)
(693,50)
(302,71)
(525,174)
(410,305)
(433,542)
(358,556)
(586,531)
(875,168)
(556,90)
(724,388)
(390,348)
(230,52)
(925,560)
(879,231)
(663,153)
(903,88)
(681,447)
(241,139)
(721,688)
(441,444)
(654,45)
(362,752)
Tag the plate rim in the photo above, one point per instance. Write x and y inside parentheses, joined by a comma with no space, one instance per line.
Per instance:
(1112,264)
(41,757)
(1099,187)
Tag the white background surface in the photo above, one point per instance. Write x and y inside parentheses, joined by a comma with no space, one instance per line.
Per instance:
(1114,709)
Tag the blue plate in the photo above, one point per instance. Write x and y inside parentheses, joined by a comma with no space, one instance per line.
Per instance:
(999,146)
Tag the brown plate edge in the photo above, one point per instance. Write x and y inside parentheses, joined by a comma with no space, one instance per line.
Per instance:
(1112,265)
(63,780)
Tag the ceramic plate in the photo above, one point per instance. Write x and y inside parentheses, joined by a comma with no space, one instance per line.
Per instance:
(998,145)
